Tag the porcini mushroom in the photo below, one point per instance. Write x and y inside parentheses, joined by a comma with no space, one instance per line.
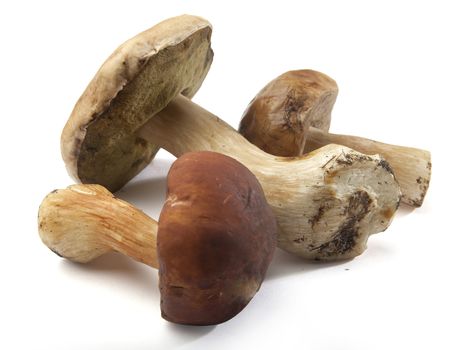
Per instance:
(326,204)
(291,116)
(216,235)
(99,143)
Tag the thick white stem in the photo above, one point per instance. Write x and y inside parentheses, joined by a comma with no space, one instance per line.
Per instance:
(412,166)
(327,203)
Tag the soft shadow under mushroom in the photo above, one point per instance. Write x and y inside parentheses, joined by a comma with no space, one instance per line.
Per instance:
(188,333)
(117,266)
(404,209)
(285,264)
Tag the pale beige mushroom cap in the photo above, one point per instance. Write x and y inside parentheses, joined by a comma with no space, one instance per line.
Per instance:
(99,143)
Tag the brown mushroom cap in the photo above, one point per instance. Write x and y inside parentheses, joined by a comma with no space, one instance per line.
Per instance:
(278,118)
(99,142)
(216,238)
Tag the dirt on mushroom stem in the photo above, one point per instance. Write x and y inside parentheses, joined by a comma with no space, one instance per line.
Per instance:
(411,166)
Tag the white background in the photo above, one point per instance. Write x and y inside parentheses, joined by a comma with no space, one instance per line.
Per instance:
(397,66)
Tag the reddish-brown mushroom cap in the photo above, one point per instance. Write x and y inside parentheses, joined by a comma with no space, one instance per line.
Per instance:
(216,238)
(279,116)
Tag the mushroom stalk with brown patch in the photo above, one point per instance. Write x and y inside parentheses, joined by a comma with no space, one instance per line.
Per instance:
(326,203)
(291,116)
(215,238)
(411,166)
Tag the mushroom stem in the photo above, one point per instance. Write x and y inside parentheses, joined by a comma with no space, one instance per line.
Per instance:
(412,166)
(83,222)
(183,126)
(327,203)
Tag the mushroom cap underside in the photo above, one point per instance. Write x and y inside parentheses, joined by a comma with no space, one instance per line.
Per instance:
(99,143)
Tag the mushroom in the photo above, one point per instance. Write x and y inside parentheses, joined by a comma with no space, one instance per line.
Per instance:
(99,143)
(326,203)
(291,116)
(215,238)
